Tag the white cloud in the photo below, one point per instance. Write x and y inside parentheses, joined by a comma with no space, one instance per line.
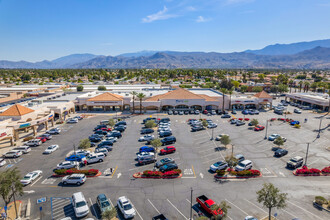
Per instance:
(161,15)
(191,8)
(201,19)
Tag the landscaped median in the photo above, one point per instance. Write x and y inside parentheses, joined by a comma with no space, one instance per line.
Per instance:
(305,171)
(149,174)
(322,203)
(88,173)
(232,174)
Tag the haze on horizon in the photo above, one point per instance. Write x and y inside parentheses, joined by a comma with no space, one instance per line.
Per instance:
(35,30)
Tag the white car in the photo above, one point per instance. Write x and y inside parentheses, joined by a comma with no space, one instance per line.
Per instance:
(2,162)
(54,131)
(30,177)
(250,218)
(144,154)
(102,150)
(94,158)
(67,165)
(80,206)
(82,152)
(13,154)
(51,149)
(76,179)
(146,137)
(220,165)
(33,142)
(114,139)
(212,125)
(273,137)
(125,206)
(72,121)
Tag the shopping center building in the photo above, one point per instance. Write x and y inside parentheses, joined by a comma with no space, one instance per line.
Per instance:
(314,100)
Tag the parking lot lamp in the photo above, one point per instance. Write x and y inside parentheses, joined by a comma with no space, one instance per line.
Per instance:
(212,134)
(306,154)
(318,135)
(266,129)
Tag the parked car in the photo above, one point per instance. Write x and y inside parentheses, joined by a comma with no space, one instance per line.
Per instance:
(168,140)
(250,218)
(67,165)
(98,127)
(165,133)
(212,125)
(146,149)
(209,206)
(47,136)
(244,165)
(54,131)
(78,117)
(72,121)
(24,149)
(225,116)
(101,132)
(80,205)
(197,112)
(240,123)
(197,128)
(205,112)
(120,129)
(105,143)
(103,203)
(76,179)
(240,157)
(245,112)
(180,112)
(147,137)
(76,157)
(42,139)
(33,142)
(145,154)
(167,150)
(165,120)
(220,165)
(170,112)
(273,137)
(82,152)
(95,158)
(220,136)
(102,150)
(2,162)
(280,152)
(114,133)
(13,154)
(147,131)
(297,111)
(30,177)
(159,217)
(146,160)
(294,123)
(233,112)
(95,138)
(259,128)
(125,207)
(295,162)
(108,147)
(168,167)
(164,161)
(51,149)
(123,123)
(113,139)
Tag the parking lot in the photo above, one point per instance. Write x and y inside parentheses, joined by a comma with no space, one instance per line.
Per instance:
(194,155)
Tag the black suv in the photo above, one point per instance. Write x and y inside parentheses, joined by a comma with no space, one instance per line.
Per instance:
(120,128)
(99,127)
(197,128)
(147,131)
(165,133)
(164,120)
(105,143)
(121,123)
(168,140)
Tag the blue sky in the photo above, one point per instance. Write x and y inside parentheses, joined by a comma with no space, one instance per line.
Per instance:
(35,30)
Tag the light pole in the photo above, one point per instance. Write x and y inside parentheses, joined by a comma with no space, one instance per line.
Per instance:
(318,135)
(266,129)
(306,154)
(212,134)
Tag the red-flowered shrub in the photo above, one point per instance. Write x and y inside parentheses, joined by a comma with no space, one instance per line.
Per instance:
(305,170)
(90,172)
(326,170)
(150,173)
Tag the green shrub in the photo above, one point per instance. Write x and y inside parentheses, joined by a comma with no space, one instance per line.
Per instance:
(320,200)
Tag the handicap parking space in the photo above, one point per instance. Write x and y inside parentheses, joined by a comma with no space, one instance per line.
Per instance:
(61,207)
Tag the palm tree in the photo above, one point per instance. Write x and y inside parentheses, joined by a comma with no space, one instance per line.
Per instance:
(230,92)
(140,96)
(314,86)
(300,85)
(134,93)
(290,84)
(306,86)
(223,91)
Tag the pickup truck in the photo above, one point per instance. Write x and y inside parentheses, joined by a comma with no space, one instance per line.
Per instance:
(208,205)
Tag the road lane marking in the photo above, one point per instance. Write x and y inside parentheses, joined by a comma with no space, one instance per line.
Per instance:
(211,160)
(114,171)
(118,175)
(305,210)
(177,209)
(202,175)
(193,170)
(153,206)
(36,181)
(237,207)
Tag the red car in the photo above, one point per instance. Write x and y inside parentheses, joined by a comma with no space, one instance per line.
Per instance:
(209,206)
(241,119)
(168,150)
(205,112)
(106,129)
(281,119)
(43,140)
(259,128)
(246,119)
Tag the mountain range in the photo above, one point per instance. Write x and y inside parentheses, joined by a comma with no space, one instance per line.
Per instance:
(302,55)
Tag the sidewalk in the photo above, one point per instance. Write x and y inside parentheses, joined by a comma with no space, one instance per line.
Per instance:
(11,213)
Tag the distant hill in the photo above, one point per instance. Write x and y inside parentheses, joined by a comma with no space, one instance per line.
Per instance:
(289,49)
(283,56)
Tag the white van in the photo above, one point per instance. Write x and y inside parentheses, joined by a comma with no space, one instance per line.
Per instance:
(80,205)
(244,165)
(24,149)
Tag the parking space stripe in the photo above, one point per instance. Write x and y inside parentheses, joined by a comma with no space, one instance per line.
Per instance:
(305,210)
(114,171)
(237,207)
(256,206)
(177,209)
(137,212)
(97,216)
(153,206)
(111,202)
(36,181)
(289,213)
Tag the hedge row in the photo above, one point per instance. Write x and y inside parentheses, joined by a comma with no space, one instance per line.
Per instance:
(90,172)
(239,173)
(175,172)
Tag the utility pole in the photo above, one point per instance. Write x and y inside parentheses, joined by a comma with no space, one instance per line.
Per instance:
(12,188)
(191,205)
(266,129)
(318,135)
(306,154)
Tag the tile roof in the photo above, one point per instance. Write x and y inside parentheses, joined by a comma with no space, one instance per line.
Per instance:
(16,110)
(263,95)
(179,94)
(107,96)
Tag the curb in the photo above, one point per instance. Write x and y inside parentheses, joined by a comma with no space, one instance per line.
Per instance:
(135,175)
(97,175)
(236,177)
